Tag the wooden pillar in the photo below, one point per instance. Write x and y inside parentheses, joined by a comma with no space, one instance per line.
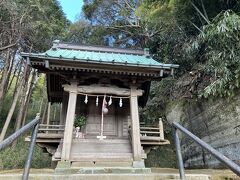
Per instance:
(48,113)
(61,114)
(136,144)
(68,133)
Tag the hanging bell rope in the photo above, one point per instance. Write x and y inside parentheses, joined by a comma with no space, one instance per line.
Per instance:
(104,111)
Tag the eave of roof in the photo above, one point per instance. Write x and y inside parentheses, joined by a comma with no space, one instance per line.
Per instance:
(140,61)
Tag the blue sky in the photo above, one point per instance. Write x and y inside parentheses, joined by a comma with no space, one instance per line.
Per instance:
(71,8)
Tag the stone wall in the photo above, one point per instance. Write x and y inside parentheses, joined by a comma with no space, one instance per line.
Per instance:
(215,122)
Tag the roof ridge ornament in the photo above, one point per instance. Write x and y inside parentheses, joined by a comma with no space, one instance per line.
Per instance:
(55,44)
(146,52)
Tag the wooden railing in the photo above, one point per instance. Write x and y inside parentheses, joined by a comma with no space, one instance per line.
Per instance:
(46,128)
(148,135)
(153,135)
(48,133)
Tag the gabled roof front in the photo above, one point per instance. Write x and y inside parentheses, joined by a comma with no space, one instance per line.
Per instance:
(99,59)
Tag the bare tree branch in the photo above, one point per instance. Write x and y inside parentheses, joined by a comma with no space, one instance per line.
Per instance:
(200,13)
(8,46)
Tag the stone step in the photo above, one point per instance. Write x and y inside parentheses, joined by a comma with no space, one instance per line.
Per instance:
(102,170)
(127,176)
(101,163)
(156,174)
(100,156)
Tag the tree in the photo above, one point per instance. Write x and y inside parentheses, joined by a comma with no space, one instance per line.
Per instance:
(29,26)
(219,47)
(82,32)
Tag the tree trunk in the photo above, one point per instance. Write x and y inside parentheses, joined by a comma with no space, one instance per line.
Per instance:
(17,80)
(16,94)
(16,72)
(11,111)
(41,106)
(5,77)
(23,104)
(29,94)
(23,113)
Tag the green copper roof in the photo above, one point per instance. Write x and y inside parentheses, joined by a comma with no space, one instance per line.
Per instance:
(101,55)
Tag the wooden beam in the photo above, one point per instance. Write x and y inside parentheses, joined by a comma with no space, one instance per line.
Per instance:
(44,125)
(149,128)
(107,89)
(149,132)
(50,129)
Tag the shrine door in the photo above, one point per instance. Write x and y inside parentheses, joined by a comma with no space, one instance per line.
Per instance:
(93,125)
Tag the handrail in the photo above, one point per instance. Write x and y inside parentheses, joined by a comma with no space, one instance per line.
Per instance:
(34,123)
(226,161)
(18,133)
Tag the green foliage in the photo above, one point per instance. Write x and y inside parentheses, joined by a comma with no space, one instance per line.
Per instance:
(7,104)
(34,23)
(81,32)
(218,45)
(163,156)
(159,96)
(80,120)
(40,89)
(156,12)
(190,14)
(15,158)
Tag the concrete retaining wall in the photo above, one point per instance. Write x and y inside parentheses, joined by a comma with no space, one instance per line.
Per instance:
(216,122)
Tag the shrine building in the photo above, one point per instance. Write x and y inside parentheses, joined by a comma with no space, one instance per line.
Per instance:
(105,86)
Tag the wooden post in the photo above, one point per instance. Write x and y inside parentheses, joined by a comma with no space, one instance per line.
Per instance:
(161,129)
(136,144)
(54,114)
(68,133)
(48,115)
(61,114)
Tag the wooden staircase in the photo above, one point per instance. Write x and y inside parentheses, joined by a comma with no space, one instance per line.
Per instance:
(99,153)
